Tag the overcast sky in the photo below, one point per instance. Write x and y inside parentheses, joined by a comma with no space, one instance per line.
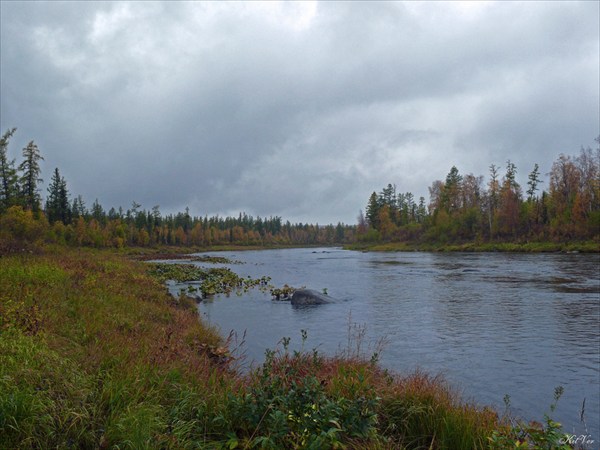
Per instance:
(299,110)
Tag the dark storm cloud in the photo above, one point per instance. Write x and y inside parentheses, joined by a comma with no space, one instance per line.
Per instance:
(293,109)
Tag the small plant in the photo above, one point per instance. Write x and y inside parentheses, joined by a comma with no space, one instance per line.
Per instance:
(532,435)
(284,293)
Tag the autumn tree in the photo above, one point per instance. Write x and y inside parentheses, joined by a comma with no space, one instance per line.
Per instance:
(565,179)
(435,196)
(362,223)
(588,163)
(509,204)
(387,228)
(20,229)
(470,218)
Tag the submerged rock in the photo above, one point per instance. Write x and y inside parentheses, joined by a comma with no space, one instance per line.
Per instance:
(197,298)
(302,297)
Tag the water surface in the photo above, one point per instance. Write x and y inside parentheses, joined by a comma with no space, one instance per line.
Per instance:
(491,323)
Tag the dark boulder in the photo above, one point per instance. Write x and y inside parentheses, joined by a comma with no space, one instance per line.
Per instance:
(302,297)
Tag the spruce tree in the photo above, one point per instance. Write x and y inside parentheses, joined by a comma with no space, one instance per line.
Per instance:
(98,212)
(9,180)
(30,168)
(372,211)
(57,203)
(452,189)
(534,180)
(78,209)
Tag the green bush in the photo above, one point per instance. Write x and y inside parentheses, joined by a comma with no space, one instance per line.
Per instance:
(286,407)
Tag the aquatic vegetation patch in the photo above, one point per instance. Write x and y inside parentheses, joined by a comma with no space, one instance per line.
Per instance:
(283,293)
(214,259)
(211,281)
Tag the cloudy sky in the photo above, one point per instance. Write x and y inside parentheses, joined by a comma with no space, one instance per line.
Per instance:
(293,109)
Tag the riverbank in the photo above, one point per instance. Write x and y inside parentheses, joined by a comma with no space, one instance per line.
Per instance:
(95,354)
(528,247)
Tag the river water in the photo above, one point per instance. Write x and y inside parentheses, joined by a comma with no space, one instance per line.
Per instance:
(491,323)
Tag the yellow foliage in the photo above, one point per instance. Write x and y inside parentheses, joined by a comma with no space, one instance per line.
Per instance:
(21,230)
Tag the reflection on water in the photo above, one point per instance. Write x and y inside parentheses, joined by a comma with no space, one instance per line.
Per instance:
(493,324)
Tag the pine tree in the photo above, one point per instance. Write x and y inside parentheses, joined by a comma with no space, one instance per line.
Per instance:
(30,168)
(9,181)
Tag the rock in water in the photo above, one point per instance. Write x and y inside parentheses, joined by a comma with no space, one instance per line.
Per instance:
(302,297)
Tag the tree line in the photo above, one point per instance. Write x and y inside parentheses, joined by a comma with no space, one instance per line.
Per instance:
(464,208)
(25,217)
(461,208)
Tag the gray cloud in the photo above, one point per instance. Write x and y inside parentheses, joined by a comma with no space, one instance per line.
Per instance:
(293,109)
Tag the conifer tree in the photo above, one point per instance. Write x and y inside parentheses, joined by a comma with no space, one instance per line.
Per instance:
(30,168)
(9,181)
(534,180)
(78,209)
(98,212)
(57,204)
(373,208)
(451,191)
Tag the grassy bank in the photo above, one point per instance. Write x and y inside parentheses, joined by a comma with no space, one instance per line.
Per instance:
(95,354)
(527,247)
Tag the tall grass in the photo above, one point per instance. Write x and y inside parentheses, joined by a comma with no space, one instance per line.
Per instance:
(92,352)
(422,411)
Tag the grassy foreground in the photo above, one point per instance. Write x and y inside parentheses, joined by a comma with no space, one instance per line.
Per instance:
(95,354)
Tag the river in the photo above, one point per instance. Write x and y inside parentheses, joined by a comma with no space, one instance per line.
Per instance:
(491,323)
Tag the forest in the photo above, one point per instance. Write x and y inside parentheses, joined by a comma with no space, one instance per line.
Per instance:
(464,208)
(26,219)
(461,208)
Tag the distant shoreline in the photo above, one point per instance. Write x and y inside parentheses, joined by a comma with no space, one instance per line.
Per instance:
(488,247)
(174,252)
